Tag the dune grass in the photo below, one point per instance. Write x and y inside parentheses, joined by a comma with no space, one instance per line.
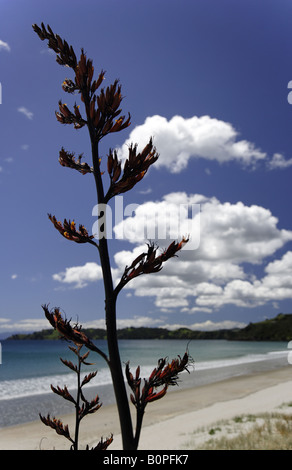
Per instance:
(266,431)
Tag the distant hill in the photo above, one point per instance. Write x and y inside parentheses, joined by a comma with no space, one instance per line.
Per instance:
(275,329)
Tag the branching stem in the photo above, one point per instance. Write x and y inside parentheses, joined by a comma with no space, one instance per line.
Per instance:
(110,304)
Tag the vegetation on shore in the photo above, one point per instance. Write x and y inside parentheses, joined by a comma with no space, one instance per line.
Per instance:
(275,329)
(263,431)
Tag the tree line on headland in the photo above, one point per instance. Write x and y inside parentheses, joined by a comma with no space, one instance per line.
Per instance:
(275,329)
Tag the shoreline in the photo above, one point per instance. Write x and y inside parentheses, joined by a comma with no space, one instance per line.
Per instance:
(25,409)
(168,422)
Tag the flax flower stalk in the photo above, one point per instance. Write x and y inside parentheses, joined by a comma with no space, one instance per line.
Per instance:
(83,407)
(156,386)
(102,115)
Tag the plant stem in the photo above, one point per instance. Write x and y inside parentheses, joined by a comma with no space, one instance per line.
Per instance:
(139,420)
(77,406)
(118,377)
(110,310)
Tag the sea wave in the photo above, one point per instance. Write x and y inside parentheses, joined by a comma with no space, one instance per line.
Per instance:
(24,387)
(249,358)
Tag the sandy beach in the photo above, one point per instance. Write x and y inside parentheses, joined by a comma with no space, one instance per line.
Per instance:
(170,422)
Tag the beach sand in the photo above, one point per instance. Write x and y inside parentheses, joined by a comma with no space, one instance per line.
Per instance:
(169,422)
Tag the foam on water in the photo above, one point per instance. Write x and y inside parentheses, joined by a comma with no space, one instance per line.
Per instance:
(240,360)
(25,387)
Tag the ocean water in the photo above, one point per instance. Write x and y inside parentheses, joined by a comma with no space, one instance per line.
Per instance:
(28,369)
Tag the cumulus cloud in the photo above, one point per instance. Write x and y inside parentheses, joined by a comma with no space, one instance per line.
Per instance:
(139,321)
(150,322)
(180,139)
(25,325)
(79,276)
(276,285)
(4,46)
(279,162)
(209,325)
(25,111)
(161,220)
(233,238)
(229,233)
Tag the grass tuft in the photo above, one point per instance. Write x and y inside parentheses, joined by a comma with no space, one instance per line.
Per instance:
(266,431)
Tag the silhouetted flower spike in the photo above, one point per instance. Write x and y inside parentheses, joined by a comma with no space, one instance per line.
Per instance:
(135,168)
(153,396)
(89,407)
(168,373)
(67,159)
(84,74)
(68,230)
(104,116)
(96,83)
(65,116)
(65,53)
(63,392)
(173,248)
(69,86)
(148,262)
(102,445)
(164,375)
(88,377)
(68,332)
(57,425)
(69,364)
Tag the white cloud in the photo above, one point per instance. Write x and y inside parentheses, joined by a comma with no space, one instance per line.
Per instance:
(211,326)
(180,139)
(279,162)
(161,220)
(233,238)
(139,321)
(276,285)
(14,276)
(145,321)
(146,191)
(136,321)
(4,46)
(229,233)
(47,51)
(239,233)
(26,325)
(80,276)
(25,111)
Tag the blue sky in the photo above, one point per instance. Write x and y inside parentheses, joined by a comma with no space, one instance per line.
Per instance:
(208,79)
